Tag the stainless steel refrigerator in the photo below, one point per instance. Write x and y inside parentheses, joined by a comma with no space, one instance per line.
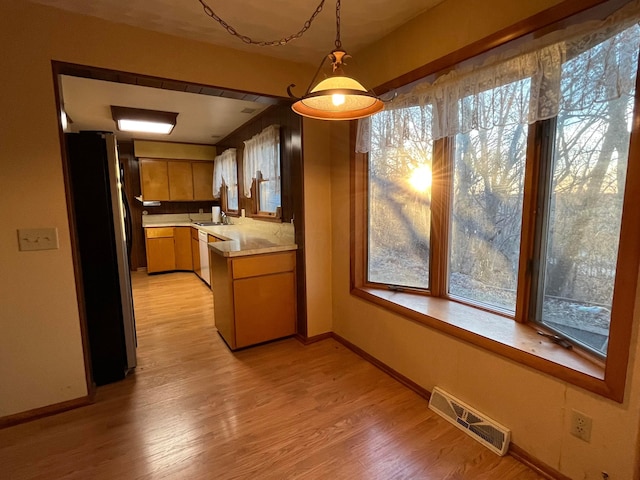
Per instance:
(102,218)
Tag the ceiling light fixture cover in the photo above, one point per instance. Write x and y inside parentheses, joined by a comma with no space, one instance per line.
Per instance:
(143,121)
(337,97)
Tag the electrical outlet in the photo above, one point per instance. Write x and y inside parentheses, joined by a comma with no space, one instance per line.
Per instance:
(38,239)
(581,425)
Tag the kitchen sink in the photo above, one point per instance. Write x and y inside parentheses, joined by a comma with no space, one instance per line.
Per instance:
(207,224)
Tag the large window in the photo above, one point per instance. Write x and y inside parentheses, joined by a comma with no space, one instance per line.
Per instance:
(400,203)
(583,216)
(505,188)
(486,213)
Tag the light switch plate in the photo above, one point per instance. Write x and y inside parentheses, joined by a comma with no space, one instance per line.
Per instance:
(38,239)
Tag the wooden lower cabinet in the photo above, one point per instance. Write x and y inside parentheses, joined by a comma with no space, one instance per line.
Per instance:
(168,249)
(161,254)
(182,238)
(254,297)
(195,251)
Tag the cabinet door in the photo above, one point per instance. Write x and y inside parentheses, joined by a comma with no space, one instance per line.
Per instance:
(265,308)
(195,255)
(202,180)
(182,238)
(161,255)
(154,179)
(180,181)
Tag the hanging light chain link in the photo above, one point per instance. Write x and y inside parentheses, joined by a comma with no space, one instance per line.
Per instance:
(273,43)
(338,41)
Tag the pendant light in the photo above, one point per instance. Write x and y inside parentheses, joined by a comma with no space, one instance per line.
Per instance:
(337,97)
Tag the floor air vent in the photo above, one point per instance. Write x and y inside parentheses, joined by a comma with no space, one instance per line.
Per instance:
(491,434)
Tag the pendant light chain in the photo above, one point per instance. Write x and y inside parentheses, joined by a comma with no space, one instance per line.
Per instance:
(338,41)
(274,43)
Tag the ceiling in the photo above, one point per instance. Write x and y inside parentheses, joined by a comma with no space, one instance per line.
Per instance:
(205,118)
(201,118)
(362,21)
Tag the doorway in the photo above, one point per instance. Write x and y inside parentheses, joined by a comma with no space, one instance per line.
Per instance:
(292,166)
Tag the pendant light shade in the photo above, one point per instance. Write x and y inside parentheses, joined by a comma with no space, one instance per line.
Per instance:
(338,98)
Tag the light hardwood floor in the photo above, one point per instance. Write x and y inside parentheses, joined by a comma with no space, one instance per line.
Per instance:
(194,410)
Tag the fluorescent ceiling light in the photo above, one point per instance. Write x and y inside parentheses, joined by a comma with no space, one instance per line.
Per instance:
(125,125)
(143,121)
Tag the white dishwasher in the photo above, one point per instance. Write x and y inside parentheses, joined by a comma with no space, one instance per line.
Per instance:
(204,257)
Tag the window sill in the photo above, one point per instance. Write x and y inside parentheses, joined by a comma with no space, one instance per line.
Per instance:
(515,341)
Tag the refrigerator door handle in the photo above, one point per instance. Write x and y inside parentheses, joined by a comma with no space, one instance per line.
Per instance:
(128,225)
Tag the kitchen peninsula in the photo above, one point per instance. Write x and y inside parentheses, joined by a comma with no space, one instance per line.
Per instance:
(252,267)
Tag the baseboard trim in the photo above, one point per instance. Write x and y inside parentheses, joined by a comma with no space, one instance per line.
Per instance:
(47,411)
(410,384)
(534,464)
(313,339)
(515,451)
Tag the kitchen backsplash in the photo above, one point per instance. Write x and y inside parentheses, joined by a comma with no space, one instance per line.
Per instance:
(270,228)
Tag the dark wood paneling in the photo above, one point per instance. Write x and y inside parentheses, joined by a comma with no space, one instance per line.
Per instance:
(162,83)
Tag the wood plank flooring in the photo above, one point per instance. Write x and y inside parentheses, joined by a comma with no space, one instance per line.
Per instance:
(194,410)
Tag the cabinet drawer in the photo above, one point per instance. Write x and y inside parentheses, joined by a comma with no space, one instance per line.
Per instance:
(263,264)
(194,233)
(159,232)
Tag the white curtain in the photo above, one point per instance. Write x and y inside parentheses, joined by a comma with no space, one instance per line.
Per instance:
(596,62)
(262,154)
(225,171)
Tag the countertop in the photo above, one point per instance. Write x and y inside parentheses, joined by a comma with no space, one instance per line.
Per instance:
(242,239)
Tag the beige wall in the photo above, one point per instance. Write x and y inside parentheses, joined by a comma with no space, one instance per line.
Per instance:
(40,347)
(535,406)
(316,144)
(447,27)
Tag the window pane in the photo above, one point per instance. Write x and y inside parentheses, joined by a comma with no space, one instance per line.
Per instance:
(269,196)
(232,197)
(488,186)
(400,200)
(585,207)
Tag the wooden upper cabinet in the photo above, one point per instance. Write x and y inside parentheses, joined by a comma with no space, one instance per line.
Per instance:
(176,180)
(202,180)
(154,179)
(180,180)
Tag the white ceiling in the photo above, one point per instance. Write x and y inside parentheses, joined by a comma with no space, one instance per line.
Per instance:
(201,118)
(88,101)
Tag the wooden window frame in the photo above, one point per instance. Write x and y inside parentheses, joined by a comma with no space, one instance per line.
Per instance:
(513,337)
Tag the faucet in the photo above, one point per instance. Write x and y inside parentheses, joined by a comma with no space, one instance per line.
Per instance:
(223,218)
